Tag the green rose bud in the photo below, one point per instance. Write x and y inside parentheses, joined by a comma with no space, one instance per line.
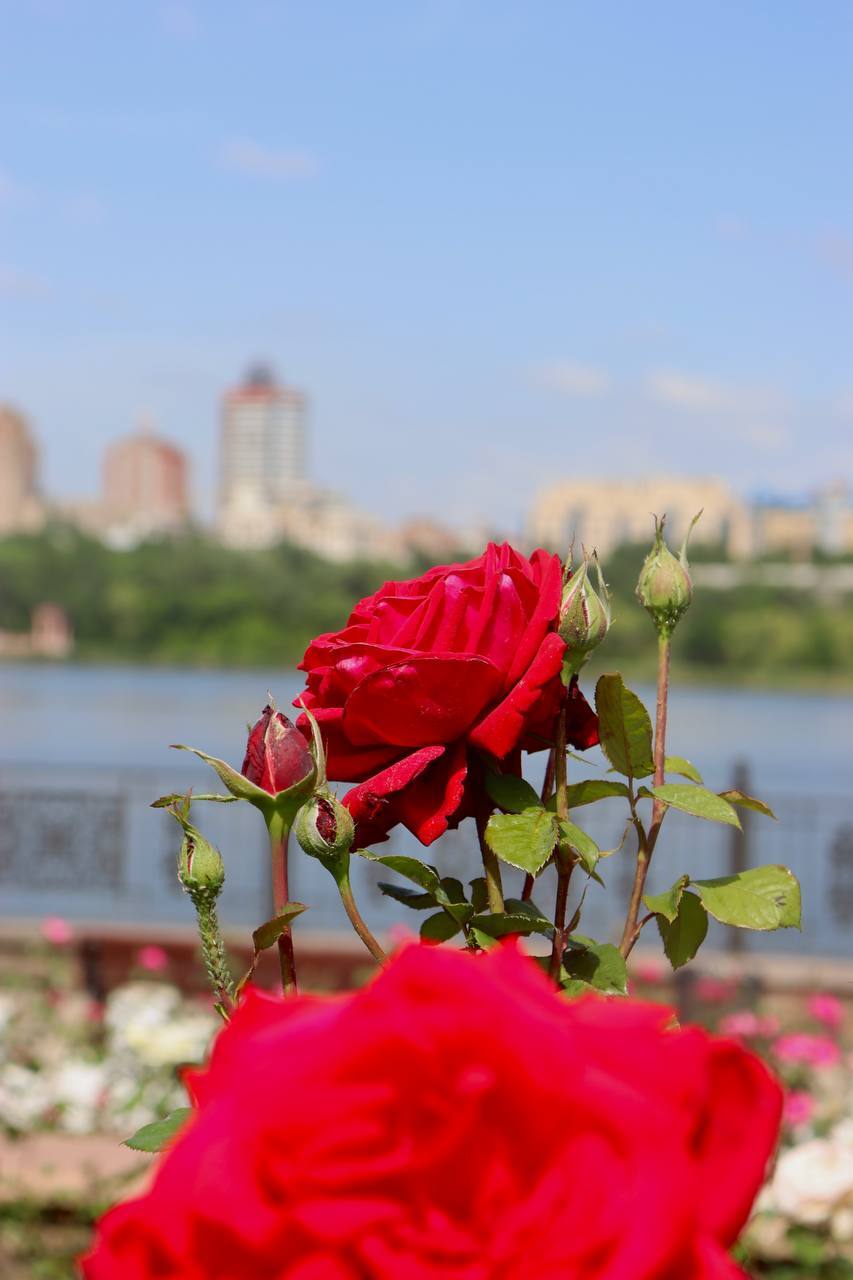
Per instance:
(324,827)
(200,867)
(584,615)
(664,588)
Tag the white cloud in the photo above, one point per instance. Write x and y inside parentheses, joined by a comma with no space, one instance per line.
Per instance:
(571,378)
(242,155)
(699,394)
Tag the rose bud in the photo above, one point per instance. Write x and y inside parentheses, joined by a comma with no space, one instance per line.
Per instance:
(200,867)
(664,588)
(277,755)
(324,827)
(584,615)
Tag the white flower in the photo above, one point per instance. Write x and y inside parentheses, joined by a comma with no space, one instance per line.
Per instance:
(815,1179)
(182,1040)
(25,1096)
(78,1087)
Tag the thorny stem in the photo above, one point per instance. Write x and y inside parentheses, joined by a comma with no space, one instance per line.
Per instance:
(491,867)
(356,919)
(648,840)
(544,796)
(565,865)
(279,833)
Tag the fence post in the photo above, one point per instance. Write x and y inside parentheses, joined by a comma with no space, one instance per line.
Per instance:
(739,849)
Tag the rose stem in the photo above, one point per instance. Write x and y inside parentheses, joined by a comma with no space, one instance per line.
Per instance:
(494,888)
(563,860)
(355,917)
(646,846)
(279,833)
(544,796)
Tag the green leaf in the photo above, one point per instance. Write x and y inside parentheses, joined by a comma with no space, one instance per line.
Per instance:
(157,1135)
(524,840)
(269,932)
(580,844)
(683,937)
(419,873)
(625,728)
(519,918)
(439,928)
(592,789)
(743,801)
(408,897)
(479,893)
(666,904)
(760,898)
(697,801)
(510,793)
(598,964)
(677,764)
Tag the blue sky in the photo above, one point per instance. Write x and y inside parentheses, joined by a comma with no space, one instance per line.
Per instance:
(495,242)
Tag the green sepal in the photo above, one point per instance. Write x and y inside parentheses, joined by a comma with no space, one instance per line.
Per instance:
(284,803)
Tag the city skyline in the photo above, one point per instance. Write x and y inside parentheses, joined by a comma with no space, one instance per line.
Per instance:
(487,238)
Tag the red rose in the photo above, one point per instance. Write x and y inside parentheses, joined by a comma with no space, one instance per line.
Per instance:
(276,754)
(457,1119)
(429,673)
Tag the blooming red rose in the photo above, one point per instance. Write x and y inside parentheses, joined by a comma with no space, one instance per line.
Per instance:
(428,674)
(457,1119)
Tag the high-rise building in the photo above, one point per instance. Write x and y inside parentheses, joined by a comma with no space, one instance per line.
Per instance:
(262,452)
(20,506)
(145,488)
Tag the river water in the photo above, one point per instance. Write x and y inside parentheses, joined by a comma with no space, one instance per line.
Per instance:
(83,750)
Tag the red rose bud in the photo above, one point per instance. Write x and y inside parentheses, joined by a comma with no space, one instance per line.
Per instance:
(584,616)
(277,755)
(324,827)
(664,588)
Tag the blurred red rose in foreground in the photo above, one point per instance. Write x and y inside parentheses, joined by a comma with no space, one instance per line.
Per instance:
(465,657)
(455,1120)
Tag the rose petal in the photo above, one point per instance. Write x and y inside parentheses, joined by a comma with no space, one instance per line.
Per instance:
(503,727)
(371,803)
(426,699)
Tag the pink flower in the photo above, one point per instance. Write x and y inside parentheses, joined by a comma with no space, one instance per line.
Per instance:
(715,990)
(813,1051)
(827,1009)
(154,959)
(56,931)
(799,1108)
(649,971)
(741,1024)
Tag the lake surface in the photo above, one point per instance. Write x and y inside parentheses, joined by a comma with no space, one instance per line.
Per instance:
(83,750)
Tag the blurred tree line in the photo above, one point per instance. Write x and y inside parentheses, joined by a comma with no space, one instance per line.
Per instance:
(192,601)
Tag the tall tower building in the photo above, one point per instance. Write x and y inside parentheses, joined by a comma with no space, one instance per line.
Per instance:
(20,507)
(262,453)
(145,488)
